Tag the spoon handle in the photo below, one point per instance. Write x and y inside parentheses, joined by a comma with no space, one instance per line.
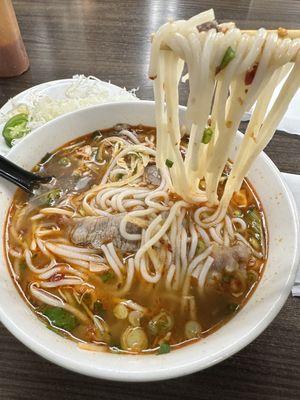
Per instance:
(24,179)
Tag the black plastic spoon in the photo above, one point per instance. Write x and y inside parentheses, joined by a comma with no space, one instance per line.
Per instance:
(26,180)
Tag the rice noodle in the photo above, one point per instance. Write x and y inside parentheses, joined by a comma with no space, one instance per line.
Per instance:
(240,222)
(115,256)
(209,87)
(55,210)
(203,272)
(194,241)
(62,282)
(65,251)
(134,306)
(111,261)
(130,135)
(28,259)
(129,278)
(58,268)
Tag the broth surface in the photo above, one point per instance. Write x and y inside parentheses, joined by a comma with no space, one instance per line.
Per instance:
(147,317)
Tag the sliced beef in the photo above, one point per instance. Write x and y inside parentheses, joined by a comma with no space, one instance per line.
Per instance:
(206,26)
(97,231)
(152,175)
(230,257)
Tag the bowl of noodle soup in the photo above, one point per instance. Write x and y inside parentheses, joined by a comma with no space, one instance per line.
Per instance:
(259,306)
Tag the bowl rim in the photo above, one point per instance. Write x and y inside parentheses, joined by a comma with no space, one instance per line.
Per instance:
(184,368)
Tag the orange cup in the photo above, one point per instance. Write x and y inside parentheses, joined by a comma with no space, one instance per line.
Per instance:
(13,57)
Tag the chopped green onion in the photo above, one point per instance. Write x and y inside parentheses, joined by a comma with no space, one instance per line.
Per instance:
(207,135)
(254,220)
(134,339)
(252,277)
(160,324)
(15,128)
(254,243)
(164,348)
(60,318)
(53,196)
(107,276)
(134,318)
(119,176)
(56,330)
(228,56)
(169,163)
(237,213)
(120,311)
(64,161)
(192,329)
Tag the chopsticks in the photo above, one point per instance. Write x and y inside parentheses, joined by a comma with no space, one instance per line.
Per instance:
(282,33)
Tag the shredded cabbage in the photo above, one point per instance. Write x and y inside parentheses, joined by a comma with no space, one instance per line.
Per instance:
(82,92)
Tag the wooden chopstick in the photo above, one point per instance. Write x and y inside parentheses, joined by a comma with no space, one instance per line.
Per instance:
(282,33)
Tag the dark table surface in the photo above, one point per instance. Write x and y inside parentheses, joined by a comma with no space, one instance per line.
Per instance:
(110,39)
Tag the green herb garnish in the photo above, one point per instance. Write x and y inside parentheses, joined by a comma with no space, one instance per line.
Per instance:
(53,196)
(169,163)
(228,56)
(207,135)
(60,318)
(254,220)
(237,213)
(56,330)
(15,128)
(164,348)
(251,277)
(107,276)
(255,243)
(64,161)
(160,324)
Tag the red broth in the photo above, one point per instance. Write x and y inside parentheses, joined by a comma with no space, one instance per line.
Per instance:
(163,323)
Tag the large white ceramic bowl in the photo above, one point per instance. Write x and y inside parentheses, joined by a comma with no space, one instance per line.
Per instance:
(242,329)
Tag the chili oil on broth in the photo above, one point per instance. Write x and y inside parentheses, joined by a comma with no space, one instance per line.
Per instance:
(147,314)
